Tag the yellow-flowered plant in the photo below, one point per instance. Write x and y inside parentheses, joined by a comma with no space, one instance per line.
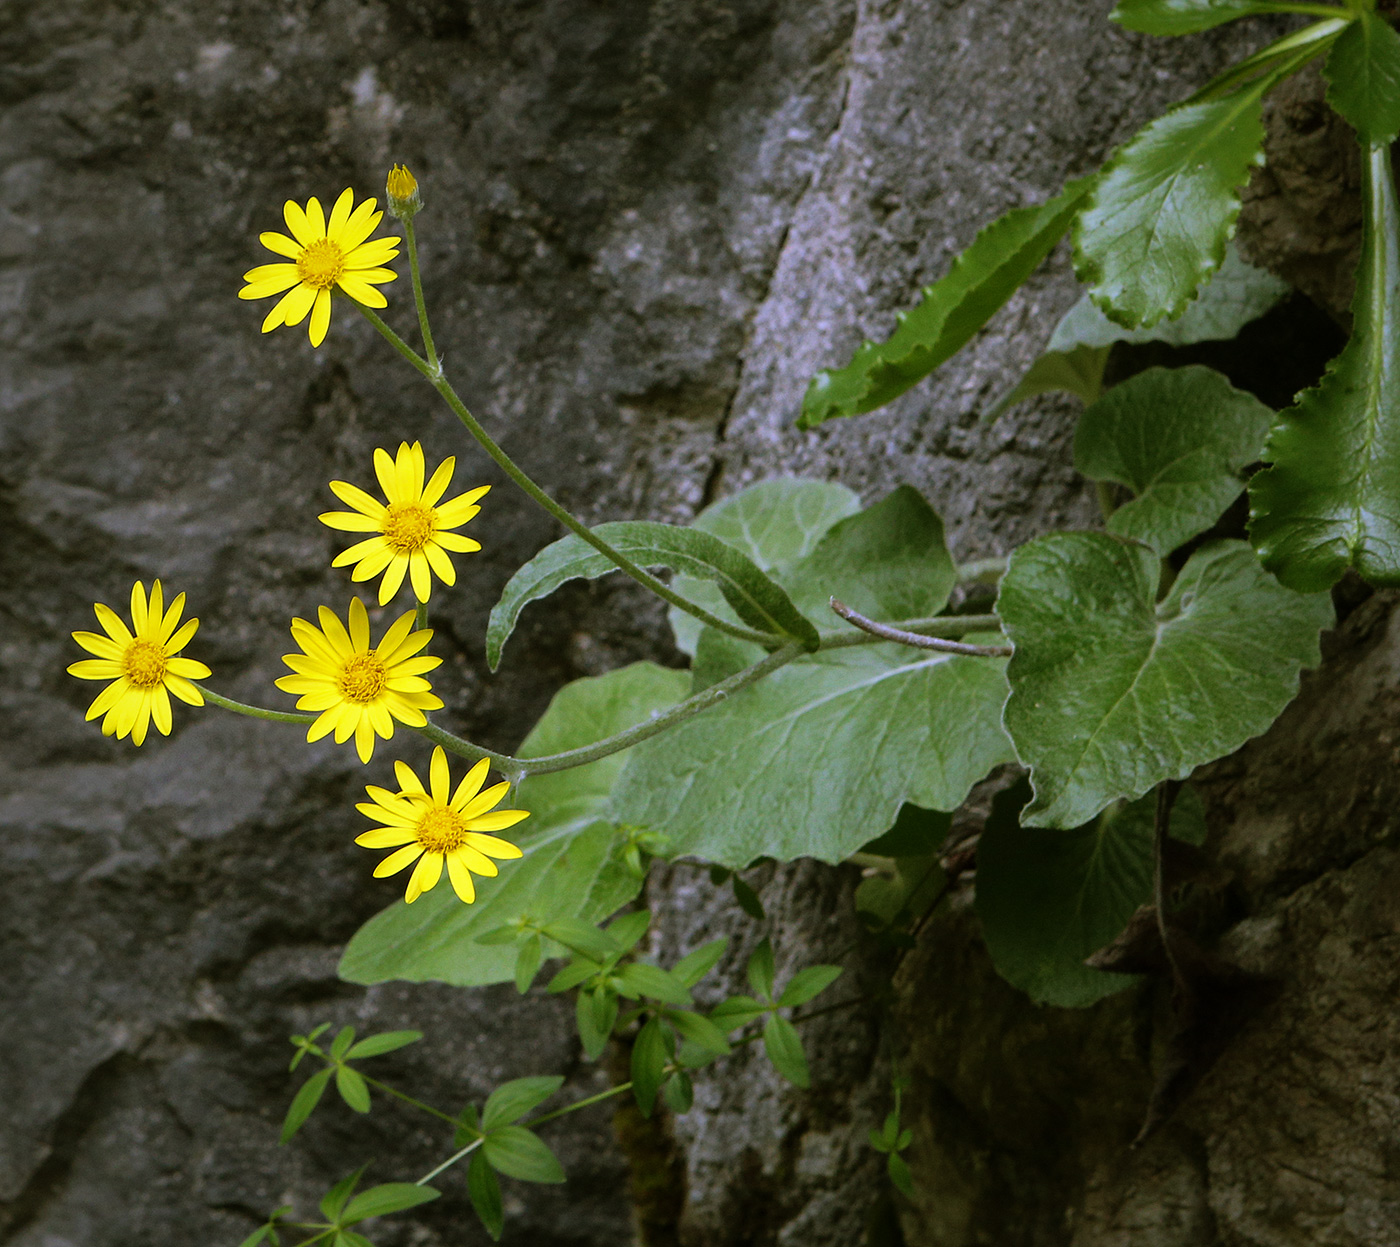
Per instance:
(412,530)
(359,689)
(142,663)
(325,255)
(435,825)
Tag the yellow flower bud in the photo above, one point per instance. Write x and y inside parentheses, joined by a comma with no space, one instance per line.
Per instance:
(401,187)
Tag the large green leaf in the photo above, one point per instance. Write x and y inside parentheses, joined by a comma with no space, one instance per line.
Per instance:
(1363,76)
(1113,692)
(775,523)
(1185,17)
(573,866)
(1157,221)
(816,760)
(1331,498)
(1048,899)
(692,552)
(952,310)
(1179,439)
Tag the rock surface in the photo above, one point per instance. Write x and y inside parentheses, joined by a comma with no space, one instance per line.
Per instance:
(649,221)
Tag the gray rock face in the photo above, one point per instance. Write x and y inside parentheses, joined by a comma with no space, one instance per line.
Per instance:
(648,222)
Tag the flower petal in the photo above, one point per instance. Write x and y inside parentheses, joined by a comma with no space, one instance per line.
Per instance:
(320,318)
(112,624)
(96,669)
(394,637)
(439,481)
(395,862)
(407,777)
(96,643)
(295,217)
(456,543)
(477,861)
(494,845)
(295,305)
(471,783)
(410,469)
(362,223)
(385,837)
(334,631)
(182,637)
(315,218)
(461,878)
(420,575)
(498,820)
(361,291)
(171,621)
(425,876)
(138,608)
(340,214)
(479,804)
(440,563)
(350,522)
(354,496)
(142,723)
(439,777)
(359,625)
(160,711)
(189,668)
(106,699)
(184,690)
(281,244)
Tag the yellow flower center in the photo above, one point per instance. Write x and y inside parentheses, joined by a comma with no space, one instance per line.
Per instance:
(321,264)
(441,830)
(144,663)
(362,678)
(409,526)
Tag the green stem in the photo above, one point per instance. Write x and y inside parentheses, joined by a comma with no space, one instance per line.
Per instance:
(253,712)
(450,1161)
(408,1099)
(941,625)
(915,639)
(982,570)
(420,617)
(512,768)
(566,518)
(578,1104)
(428,348)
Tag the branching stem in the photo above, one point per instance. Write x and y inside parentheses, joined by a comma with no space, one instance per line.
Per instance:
(886,633)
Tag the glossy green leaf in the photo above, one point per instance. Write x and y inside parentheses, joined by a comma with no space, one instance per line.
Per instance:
(761,970)
(693,967)
(649,1057)
(655,983)
(1184,17)
(334,1200)
(952,310)
(783,1045)
(775,523)
(352,1087)
(806,984)
(304,1102)
(692,552)
(1179,438)
(1113,692)
(1156,224)
(1047,899)
(520,1153)
(1363,77)
(380,1201)
(805,763)
(512,1100)
(485,1191)
(1331,497)
(378,1045)
(573,868)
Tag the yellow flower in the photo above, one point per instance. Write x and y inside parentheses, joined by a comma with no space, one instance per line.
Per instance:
(434,829)
(358,688)
(412,529)
(141,664)
(324,254)
(401,189)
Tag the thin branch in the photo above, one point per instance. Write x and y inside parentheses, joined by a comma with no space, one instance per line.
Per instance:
(915,639)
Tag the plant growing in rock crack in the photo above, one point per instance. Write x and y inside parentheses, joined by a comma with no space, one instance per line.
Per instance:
(842,698)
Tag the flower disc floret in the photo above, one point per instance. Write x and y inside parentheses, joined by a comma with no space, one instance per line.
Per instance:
(433,826)
(142,664)
(360,689)
(412,527)
(325,255)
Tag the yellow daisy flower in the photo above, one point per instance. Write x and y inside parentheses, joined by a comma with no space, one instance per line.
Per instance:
(411,530)
(324,254)
(141,664)
(434,829)
(358,688)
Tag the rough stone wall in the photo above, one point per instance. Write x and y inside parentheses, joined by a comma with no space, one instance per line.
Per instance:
(649,221)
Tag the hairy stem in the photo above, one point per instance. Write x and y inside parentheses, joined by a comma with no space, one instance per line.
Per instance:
(428,349)
(915,639)
(253,712)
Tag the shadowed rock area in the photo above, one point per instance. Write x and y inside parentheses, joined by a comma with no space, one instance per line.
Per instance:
(648,223)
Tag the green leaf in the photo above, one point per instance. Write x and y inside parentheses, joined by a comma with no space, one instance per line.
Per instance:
(1077,371)
(627,931)
(693,967)
(1183,17)
(336,1198)
(1049,899)
(352,1087)
(573,866)
(757,601)
(805,764)
(655,983)
(701,1032)
(341,1044)
(304,1102)
(595,1012)
(898,1169)
(256,1237)
(952,310)
(512,1100)
(572,975)
(775,523)
(784,1047)
(1363,76)
(1165,205)
(729,1015)
(348,1238)
(808,983)
(378,1045)
(761,970)
(916,832)
(747,899)
(520,1153)
(649,1056)
(485,1192)
(527,963)
(468,1126)
(1331,498)
(1179,438)
(1112,692)
(679,1092)
(581,937)
(380,1201)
